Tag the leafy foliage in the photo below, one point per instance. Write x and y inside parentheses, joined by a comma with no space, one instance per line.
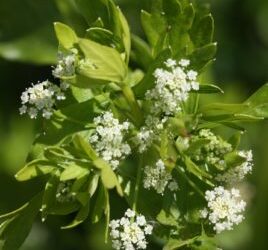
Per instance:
(79,181)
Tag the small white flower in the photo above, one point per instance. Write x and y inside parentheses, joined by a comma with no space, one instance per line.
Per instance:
(173,186)
(192,75)
(204,213)
(129,213)
(141,221)
(130,231)
(23,109)
(32,112)
(170,63)
(184,62)
(148,229)
(47,113)
(224,209)
(195,85)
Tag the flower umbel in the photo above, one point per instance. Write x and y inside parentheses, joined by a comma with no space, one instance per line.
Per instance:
(108,139)
(42,98)
(158,178)
(224,209)
(172,87)
(129,232)
(238,173)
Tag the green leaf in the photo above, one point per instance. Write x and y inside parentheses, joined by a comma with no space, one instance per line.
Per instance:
(202,33)
(166,219)
(49,196)
(104,37)
(83,198)
(110,180)
(233,126)
(65,208)
(92,10)
(125,34)
(141,52)
(80,217)
(188,17)
(234,140)
(72,172)
(13,213)
(202,56)
(114,21)
(196,145)
(15,230)
(68,120)
(66,36)
(93,184)
(153,25)
(233,159)
(107,215)
(174,244)
(197,171)
(209,89)
(99,206)
(82,144)
(34,169)
(204,242)
(104,63)
(258,102)
(222,108)
(80,183)
(173,10)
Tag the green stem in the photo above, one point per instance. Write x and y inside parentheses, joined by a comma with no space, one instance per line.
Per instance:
(128,93)
(138,183)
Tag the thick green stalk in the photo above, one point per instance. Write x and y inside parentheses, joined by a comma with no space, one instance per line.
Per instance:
(138,183)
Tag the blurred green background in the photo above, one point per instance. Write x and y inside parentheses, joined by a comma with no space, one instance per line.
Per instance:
(28,48)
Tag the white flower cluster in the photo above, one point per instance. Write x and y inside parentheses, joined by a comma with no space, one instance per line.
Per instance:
(172,87)
(42,98)
(66,65)
(238,173)
(64,193)
(144,139)
(224,209)
(213,152)
(129,232)
(158,178)
(108,139)
(149,133)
